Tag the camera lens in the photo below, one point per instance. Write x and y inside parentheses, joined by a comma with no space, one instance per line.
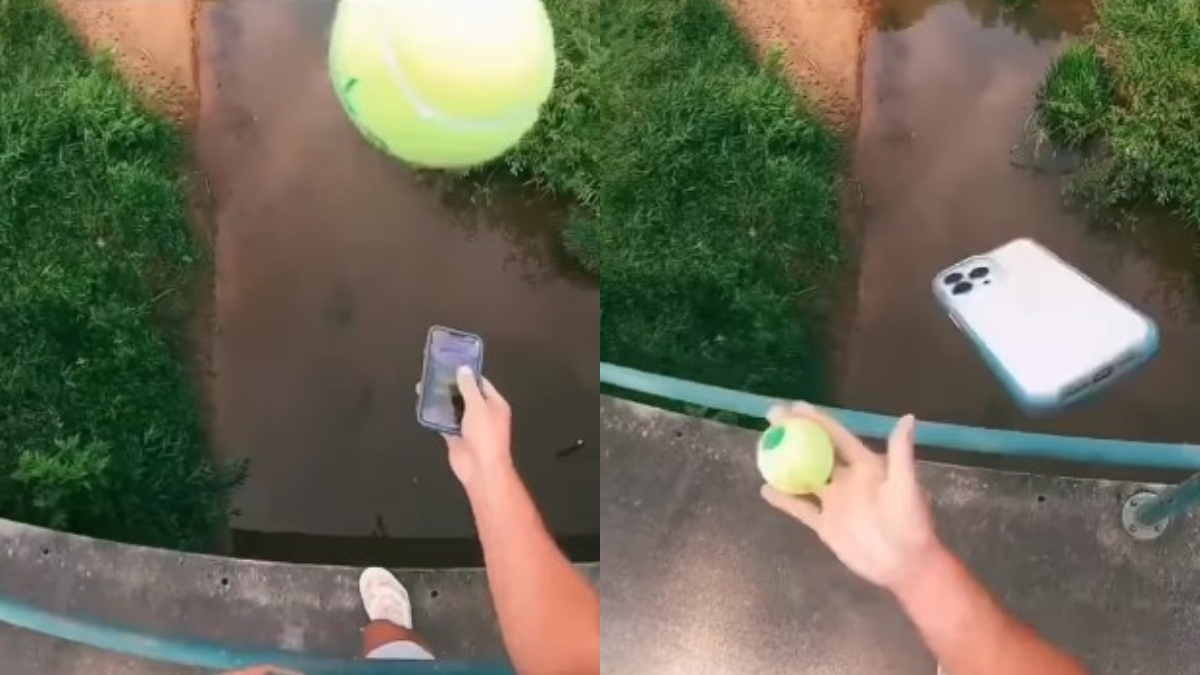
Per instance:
(961,288)
(979,272)
(952,278)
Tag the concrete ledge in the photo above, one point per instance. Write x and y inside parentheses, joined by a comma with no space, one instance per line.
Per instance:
(712,580)
(241,603)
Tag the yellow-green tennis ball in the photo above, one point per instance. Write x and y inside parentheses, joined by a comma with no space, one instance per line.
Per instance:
(442,83)
(795,457)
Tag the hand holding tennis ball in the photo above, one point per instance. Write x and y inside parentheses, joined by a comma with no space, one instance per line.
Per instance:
(873,515)
(442,83)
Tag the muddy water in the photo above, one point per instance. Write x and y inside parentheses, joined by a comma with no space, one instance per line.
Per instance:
(948,89)
(332,262)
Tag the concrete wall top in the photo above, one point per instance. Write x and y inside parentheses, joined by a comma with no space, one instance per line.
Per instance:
(241,603)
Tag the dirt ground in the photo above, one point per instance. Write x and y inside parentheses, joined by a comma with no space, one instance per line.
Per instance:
(153,44)
(822,43)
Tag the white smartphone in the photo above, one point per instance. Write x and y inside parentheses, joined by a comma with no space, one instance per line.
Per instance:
(1051,334)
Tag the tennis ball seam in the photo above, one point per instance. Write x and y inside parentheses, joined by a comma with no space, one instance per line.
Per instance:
(429,111)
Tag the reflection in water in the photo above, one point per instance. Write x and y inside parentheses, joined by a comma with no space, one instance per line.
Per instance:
(948,91)
(332,263)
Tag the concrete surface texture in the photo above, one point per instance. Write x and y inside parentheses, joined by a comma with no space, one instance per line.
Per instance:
(711,580)
(235,602)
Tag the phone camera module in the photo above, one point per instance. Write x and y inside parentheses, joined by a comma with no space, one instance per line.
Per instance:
(952,278)
(979,272)
(962,287)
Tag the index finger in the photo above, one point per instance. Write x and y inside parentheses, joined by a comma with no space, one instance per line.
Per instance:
(779,412)
(849,447)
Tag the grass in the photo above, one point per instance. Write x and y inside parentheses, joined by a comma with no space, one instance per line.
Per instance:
(101,432)
(1132,92)
(1077,97)
(707,192)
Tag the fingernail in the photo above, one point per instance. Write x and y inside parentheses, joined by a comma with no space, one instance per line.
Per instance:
(464,370)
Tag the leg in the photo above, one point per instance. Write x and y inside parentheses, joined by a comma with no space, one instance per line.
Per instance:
(390,633)
(381,632)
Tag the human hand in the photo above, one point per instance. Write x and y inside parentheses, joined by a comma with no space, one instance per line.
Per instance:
(485,443)
(873,515)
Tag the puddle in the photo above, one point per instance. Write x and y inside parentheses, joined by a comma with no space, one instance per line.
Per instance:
(332,262)
(948,90)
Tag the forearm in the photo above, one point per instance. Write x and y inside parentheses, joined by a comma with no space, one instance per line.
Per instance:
(549,614)
(968,630)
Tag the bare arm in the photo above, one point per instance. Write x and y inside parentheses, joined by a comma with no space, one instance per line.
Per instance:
(968,629)
(549,614)
(875,518)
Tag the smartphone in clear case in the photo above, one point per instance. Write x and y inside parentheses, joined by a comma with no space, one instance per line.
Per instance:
(1051,334)
(439,402)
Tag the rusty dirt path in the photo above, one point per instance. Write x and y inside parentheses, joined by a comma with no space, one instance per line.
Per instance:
(822,44)
(153,42)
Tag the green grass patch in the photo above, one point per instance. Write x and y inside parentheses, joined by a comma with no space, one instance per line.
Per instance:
(707,192)
(100,428)
(1134,85)
(1076,97)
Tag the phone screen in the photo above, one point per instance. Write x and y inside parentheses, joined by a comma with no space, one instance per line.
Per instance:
(441,404)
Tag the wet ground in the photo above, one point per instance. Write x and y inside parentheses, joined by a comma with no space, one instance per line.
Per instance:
(948,91)
(332,262)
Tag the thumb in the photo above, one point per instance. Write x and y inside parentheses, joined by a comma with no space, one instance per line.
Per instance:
(468,386)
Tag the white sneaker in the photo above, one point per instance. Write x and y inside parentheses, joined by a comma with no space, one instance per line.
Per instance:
(384,597)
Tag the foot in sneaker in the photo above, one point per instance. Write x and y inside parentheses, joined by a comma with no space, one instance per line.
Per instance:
(384,597)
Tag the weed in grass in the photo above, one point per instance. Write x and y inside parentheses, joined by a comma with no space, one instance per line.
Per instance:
(707,192)
(100,429)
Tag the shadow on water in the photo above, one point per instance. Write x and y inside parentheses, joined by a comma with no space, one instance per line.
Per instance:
(332,262)
(947,97)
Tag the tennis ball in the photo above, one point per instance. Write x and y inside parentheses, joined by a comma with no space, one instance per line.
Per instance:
(796,456)
(442,83)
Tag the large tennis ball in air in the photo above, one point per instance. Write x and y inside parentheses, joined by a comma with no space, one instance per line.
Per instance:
(795,456)
(442,83)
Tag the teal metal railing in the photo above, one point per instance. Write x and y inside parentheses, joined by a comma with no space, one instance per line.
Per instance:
(929,434)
